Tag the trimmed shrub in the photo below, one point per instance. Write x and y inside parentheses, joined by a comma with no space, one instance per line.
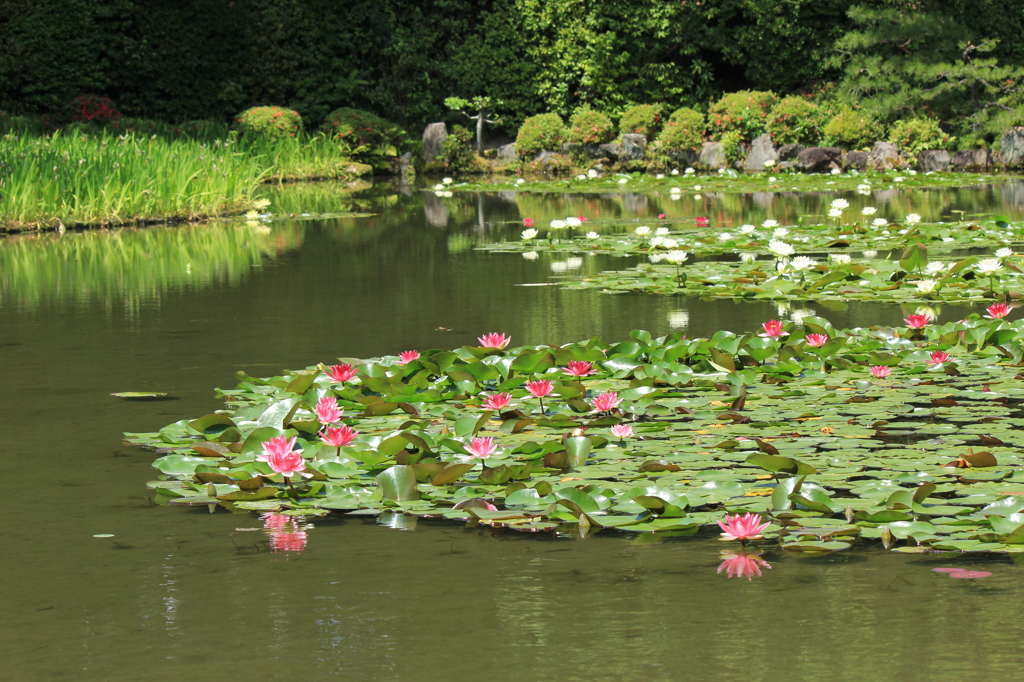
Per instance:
(642,119)
(732,145)
(275,122)
(539,133)
(365,132)
(684,130)
(456,150)
(590,127)
(852,129)
(744,112)
(914,135)
(94,109)
(794,120)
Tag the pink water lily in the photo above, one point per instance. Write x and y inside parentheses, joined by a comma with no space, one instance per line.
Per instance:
(341,373)
(580,368)
(276,446)
(327,411)
(917,321)
(481,447)
(622,430)
(997,310)
(817,340)
(527,222)
(494,340)
(744,527)
(540,388)
(938,357)
(773,328)
(405,357)
(742,565)
(275,521)
(606,401)
(338,437)
(661,216)
(701,221)
(287,464)
(498,401)
(582,218)
(880,371)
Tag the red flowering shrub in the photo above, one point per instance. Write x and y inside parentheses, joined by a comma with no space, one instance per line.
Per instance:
(684,130)
(94,109)
(268,121)
(365,132)
(744,112)
(590,127)
(642,119)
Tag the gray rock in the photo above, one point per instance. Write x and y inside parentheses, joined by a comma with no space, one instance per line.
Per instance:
(884,156)
(544,158)
(856,160)
(761,150)
(788,152)
(506,152)
(433,135)
(683,158)
(933,160)
(633,147)
(820,159)
(788,166)
(1011,148)
(712,155)
(610,150)
(435,210)
(1012,193)
(972,160)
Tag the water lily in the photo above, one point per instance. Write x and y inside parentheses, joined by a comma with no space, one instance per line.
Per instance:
(592,173)
(341,373)
(530,255)
(573,222)
(676,256)
(529,234)
(1004,253)
(606,401)
(539,389)
(557,225)
(743,527)
(447,181)
(868,210)
(494,340)
(582,219)
(934,267)
(276,446)
(840,258)
(622,431)
(527,222)
(769,224)
(899,178)
(520,181)
(802,263)
(938,357)
(748,257)
(498,401)
(593,235)
(927,286)
(580,368)
(327,411)
(816,340)
(405,357)
(880,371)
(724,237)
(837,171)
(742,565)
(912,219)
(287,464)
(781,249)
(288,542)
(773,328)
(338,437)
(987,267)
(481,447)
(780,232)
(700,221)
(623,181)
(688,171)
(747,229)
(879,222)
(835,213)
(841,204)
(642,231)
(768,163)
(661,231)
(997,311)
(916,321)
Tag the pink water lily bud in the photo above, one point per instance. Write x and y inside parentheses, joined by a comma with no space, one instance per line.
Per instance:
(341,373)
(997,310)
(742,565)
(622,430)
(276,446)
(880,371)
(817,340)
(287,464)
(494,340)
(481,447)
(498,401)
(606,401)
(743,527)
(917,321)
(773,328)
(338,437)
(327,411)
(540,388)
(580,368)
(405,357)
(938,357)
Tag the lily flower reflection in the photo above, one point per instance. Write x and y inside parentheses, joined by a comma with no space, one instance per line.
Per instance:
(286,535)
(742,564)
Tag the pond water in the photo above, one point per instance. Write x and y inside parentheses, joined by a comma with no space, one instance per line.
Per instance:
(177,591)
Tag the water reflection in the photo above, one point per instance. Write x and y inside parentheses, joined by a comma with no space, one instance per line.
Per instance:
(287,533)
(742,564)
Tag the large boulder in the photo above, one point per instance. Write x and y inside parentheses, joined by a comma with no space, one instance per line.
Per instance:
(433,135)
(1011,148)
(761,150)
(933,160)
(789,152)
(820,159)
(856,160)
(506,152)
(972,160)
(884,156)
(610,150)
(712,155)
(633,147)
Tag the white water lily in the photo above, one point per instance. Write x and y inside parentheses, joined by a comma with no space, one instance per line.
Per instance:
(724,237)
(840,258)
(935,267)
(912,219)
(690,171)
(1004,253)
(837,171)
(679,319)
(530,255)
(879,222)
(623,181)
(529,234)
(573,222)
(661,231)
(801,263)
(780,248)
(593,235)
(559,266)
(581,177)
(697,188)
(868,210)
(899,178)
(447,181)
(835,213)
(927,286)
(697,197)
(772,179)
(574,263)
(592,173)
(769,224)
(642,231)
(768,163)
(438,187)
(676,256)
(675,171)
(656,257)
(928,312)
(870,253)
(675,190)
(748,257)
(987,267)
(840,204)
(657,242)
(261,204)
(747,229)
(659,176)
(780,232)
(520,181)
(669,243)
(558,225)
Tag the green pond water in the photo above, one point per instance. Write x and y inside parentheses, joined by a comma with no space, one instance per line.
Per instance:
(180,592)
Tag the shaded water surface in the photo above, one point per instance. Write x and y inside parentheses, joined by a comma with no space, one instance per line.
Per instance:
(178,592)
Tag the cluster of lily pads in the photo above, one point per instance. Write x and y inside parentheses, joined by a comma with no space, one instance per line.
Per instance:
(908,436)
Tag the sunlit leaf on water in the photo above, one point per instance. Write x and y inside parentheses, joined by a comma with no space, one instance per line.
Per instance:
(921,460)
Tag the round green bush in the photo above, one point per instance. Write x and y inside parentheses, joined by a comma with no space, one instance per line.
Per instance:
(732,145)
(456,151)
(540,133)
(852,129)
(744,112)
(684,130)
(590,127)
(642,119)
(914,135)
(364,131)
(794,120)
(274,122)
